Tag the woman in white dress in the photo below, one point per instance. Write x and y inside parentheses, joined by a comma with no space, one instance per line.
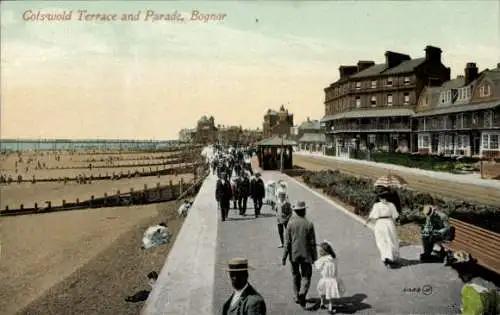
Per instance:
(330,286)
(384,213)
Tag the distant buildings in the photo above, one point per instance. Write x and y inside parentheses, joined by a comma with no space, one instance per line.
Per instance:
(206,132)
(187,135)
(277,123)
(310,136)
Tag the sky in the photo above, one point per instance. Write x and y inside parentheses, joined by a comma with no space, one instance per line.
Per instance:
(148,79)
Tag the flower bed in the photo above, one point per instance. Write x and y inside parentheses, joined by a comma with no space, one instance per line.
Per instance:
(359,193)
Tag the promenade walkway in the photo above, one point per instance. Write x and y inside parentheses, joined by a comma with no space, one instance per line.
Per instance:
(359,263)
(193,280)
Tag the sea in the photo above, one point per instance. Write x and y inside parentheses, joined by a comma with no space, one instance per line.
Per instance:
(7,145)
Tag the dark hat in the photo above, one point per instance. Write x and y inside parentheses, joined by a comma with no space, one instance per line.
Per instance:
(299,205)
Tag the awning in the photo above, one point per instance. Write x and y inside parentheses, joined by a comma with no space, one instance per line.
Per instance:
(458,109)
(276,141)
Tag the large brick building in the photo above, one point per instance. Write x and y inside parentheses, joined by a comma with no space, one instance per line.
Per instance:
(462,117)
(206,131)
(371,105)
(277,123)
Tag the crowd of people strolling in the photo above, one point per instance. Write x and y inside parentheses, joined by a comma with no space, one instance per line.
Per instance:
(237,182)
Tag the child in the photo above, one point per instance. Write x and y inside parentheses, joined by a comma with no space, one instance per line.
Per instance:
(329,286)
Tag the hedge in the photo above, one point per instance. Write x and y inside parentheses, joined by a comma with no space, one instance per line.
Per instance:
(359,193)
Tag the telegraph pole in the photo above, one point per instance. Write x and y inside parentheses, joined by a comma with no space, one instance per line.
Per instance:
(281,153)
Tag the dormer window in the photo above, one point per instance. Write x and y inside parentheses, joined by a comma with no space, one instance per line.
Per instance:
(407,80)
(484,90)
(358,85)
(374,84)
(448,96)
(389,81)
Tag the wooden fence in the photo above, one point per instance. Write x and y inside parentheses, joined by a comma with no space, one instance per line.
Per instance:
(146,195)
(107,176)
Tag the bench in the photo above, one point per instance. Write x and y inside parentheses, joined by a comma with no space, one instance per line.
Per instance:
(481,244)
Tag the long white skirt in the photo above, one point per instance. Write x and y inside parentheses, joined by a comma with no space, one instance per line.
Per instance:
(331,288)
(386,238)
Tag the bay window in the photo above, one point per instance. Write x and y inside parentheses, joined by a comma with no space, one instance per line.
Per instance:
(424,141)
(490,141)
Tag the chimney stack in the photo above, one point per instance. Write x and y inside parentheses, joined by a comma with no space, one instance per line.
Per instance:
(346,71)
(471,72)
(498,65)
(433,53)
(365,64)
(393,59)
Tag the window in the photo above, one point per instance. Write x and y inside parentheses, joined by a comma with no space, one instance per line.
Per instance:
(407,80)
(462,141)
(488,119)
(358,85)
(448,96)
(406,98)
(427,100)
(484,90)
(374,84)
(389,100)
(358,102)
(373,101)
(443,97)
(424,141)
(371,138)
(490,141)
(389,81)
(421,124)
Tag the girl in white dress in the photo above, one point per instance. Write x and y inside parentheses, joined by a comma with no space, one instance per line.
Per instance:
(384,213)
(330,286)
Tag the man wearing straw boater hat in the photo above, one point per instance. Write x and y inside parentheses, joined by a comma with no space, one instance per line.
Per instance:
(300,247)
(245,300)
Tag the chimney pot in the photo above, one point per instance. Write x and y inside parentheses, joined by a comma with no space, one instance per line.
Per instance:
(433,53)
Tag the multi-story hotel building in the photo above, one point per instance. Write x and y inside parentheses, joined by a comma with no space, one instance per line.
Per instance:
(371,105)
(206,132)
(462,117)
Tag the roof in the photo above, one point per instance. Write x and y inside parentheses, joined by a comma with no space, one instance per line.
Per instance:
(371,71)
(381,68)
(276,141)
(405,66)
(386,112)
(458,109)
(310,124)
(313,137)
(454,83)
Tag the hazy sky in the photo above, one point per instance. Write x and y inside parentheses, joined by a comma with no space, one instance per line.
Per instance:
(146,80)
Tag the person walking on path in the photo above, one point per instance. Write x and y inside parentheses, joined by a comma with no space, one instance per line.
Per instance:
(384,214)
(223,195)
(243,193)
(300,248)
(283,215)
(258,192)
(245,300)
(330,286)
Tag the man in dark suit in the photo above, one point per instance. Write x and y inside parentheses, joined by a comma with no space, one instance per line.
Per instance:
(245,300)
(243,193)
(300,247)
(258,192)
(223,195)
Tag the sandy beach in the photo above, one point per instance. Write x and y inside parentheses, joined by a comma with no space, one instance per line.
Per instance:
(83,261)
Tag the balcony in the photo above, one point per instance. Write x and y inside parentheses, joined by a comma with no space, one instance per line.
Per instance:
(370,126)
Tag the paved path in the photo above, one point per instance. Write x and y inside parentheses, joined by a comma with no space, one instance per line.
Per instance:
(359,263)
(435,183)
